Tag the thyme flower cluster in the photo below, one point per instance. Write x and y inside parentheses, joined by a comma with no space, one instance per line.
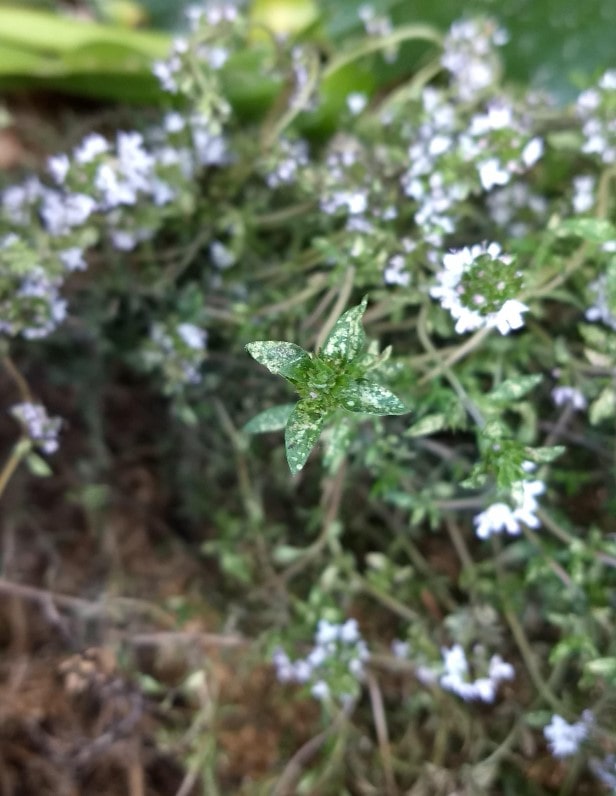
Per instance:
(477,286)
(333,667)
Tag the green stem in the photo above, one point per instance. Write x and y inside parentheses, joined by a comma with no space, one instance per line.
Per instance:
(405,33)
(18,454)
(469,405)
(412,90)
(458,353)
(280,217)
(317,282)
(297,104)
(336,311)
(530,662)
(386,599)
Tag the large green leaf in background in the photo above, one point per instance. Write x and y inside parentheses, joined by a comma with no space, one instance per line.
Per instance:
(50,50)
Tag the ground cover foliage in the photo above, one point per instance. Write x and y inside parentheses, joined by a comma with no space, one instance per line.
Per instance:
(309,419)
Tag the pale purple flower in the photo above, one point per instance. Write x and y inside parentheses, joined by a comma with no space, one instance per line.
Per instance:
(58,166)
(72,259)
(90,148)
(562,395)
(564,739)
(42,429)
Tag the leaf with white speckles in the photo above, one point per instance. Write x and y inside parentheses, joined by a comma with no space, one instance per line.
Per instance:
(370,398)
(347,339)
(302,432)
(272,419)
(279,357)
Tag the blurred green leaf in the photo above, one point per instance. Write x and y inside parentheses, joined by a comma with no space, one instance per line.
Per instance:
(302,432)
(41,50)
(514,389)
(272,419)
(53,33)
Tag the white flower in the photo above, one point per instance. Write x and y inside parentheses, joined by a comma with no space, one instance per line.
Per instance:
(356,102)
(498,117)
(601,310)
(302,671)
(114,190)
(455,677)
(165,71)
(327,632)
(607,81)
(174,122)
(496,518)
(355,202)
(500,517)
(583,193)
(63,213)
(320,690)
(211,150)
(532,152)
(564,739)
(192,335)
(72,259)
(123,240)
(282,664)
(469,55)
(90,148)
(500,669)
(221,255)
(349,632)
(563,395)
(400,649)
(605,770)
(58,166)
(42,429)
(317,656)
(454,660)
(457,263)
(508,317)
(491,173)
(439,144)
(395,273)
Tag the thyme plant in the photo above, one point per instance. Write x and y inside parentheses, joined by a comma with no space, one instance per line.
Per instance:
(454,564)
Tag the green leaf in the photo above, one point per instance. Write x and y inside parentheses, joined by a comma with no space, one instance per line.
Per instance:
(545,455)
(15,61)
(602,667)
(272,419)
(280,358)
(301,434)
(595,230)
(427,425)
(603,407)
(494,430)
(50,32)
(368,397)
(38,466)
(514,389)
(285,554)
(347,338)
